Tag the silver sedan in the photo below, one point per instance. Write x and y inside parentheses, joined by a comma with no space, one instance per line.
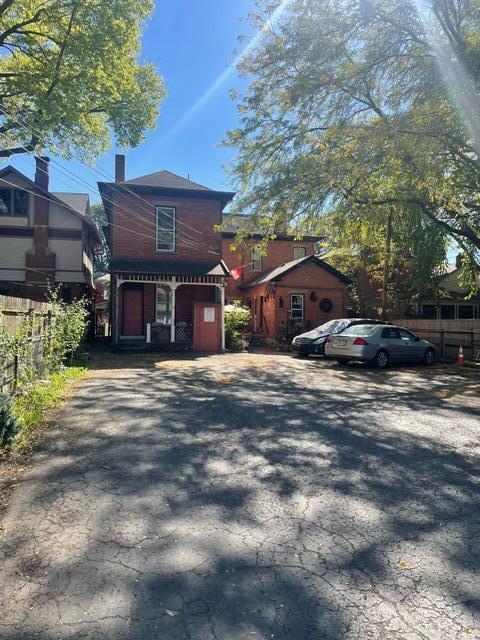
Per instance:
(379,344)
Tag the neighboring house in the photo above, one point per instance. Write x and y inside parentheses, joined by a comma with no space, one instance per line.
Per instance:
(102,305)
(45,238)
(167,275)
(289,289)
(450,304)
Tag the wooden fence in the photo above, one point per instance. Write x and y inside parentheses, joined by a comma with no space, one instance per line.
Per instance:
(13,312)
(447,335)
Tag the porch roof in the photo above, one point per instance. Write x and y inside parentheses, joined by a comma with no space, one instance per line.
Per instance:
(168,267)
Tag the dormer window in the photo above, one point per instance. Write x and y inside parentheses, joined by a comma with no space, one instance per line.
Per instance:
(13,202)
(165,237)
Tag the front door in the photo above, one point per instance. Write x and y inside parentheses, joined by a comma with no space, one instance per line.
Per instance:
(132,312)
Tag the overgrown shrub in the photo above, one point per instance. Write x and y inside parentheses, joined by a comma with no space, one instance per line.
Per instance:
(29,406)
(9,425)
(39,346)
(66,332)
(236,321)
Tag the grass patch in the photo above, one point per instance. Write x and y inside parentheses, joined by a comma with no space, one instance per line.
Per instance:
(31,406)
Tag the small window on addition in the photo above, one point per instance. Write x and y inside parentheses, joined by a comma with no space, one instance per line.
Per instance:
(296,307)
(299,252)
(256,259)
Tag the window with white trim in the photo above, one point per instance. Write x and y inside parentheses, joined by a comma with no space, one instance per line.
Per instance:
(256,259)
(162,305)
(296,307)
(165,228)
(299,252)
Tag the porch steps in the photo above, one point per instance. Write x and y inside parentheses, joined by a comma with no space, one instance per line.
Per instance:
(131,346)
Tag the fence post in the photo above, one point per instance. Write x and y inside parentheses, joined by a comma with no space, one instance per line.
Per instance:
(472,343)
(15,371)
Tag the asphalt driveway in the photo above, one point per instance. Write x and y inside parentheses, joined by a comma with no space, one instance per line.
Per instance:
(250,497)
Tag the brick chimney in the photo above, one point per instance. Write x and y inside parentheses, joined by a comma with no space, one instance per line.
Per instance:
(41,172)
(119,167)
(40,259)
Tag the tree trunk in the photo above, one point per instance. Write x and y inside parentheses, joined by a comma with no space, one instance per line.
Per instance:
(386,265)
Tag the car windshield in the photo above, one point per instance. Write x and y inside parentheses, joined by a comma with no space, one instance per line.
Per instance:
(361,330)
(334,326)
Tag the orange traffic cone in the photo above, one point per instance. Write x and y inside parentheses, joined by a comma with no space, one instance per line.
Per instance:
(460,358)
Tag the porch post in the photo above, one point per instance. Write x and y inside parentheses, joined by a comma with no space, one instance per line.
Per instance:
(222,316)
(172,313)
(117,305)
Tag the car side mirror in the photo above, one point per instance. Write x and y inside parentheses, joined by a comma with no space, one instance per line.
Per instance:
(417,339)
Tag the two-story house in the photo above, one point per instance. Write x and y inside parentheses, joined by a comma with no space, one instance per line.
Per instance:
(46,238)
(167,274)
(287,290)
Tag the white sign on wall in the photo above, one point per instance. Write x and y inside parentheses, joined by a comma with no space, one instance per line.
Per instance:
(209,314)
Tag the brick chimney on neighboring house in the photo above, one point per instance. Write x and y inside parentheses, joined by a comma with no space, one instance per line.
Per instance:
(40,260)
(119,167)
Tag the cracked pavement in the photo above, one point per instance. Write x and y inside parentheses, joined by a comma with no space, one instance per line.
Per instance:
(250,496)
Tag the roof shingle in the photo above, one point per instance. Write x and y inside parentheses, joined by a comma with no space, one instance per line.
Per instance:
(167,180)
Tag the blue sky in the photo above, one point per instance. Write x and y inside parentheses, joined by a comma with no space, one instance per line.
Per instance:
(192,42)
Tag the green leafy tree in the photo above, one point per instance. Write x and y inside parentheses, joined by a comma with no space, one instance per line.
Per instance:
(70,76)
(366,106)
(357,247)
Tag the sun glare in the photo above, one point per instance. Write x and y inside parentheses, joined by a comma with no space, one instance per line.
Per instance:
(459,86)
(225,75)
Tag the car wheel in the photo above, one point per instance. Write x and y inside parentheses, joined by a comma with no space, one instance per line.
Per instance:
(429,358)
(381,359)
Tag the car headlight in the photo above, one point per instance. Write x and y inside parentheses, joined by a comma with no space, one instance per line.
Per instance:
(320,340)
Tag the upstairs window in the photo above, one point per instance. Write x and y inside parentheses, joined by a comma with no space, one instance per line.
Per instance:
(256,259)
(165,235)
(299,252)
(13,202)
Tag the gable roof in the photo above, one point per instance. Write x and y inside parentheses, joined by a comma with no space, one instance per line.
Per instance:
(59,198)
(166,180)
(76,201)
(282,270)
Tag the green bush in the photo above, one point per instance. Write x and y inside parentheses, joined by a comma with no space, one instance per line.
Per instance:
(40,347)
(236,321)
(9,425)
(31,404)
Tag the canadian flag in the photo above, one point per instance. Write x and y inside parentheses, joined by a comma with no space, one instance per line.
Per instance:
(236,273)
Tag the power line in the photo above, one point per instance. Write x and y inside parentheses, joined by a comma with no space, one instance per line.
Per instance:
(29,127)
(187,242)
(180,240)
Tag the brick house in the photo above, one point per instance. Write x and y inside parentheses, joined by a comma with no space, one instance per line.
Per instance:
(45,237)
(167,274)
(288,290)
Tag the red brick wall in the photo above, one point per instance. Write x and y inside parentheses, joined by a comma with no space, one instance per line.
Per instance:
(136,238)
(279,252)
(304,280)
